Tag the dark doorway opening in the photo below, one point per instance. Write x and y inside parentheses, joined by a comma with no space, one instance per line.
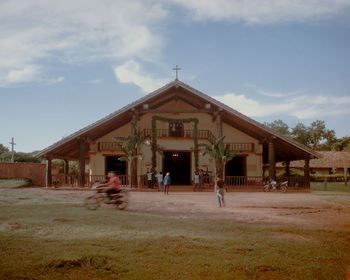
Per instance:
(236,166)
(179,166)
(114,164)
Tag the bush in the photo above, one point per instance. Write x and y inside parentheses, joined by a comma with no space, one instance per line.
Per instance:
(330,178)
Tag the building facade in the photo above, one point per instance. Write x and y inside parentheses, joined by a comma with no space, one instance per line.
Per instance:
(177,118)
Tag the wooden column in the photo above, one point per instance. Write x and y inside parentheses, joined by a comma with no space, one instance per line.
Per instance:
(218,125)
(133,165)
(48,173)
(81,178)
(272,161)
(287,168)
(307,172)
(66,170)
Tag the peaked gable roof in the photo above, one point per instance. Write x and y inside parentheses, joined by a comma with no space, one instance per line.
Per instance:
(231,116)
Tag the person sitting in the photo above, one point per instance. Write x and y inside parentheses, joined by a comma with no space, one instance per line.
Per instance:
(113,185)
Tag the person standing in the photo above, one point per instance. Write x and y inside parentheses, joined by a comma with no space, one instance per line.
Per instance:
(201,179)
(160,180)
(167,182)
(220,189)
(196,181)
(149,179)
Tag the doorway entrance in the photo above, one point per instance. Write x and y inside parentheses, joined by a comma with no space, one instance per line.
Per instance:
(236,166)
(114,164)
(179,166)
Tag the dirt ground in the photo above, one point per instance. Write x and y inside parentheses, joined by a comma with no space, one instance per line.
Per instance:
(307,210)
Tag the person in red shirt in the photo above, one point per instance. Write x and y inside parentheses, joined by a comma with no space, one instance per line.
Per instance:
(113,185)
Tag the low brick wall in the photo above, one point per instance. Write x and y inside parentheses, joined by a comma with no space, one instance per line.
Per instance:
(34,171)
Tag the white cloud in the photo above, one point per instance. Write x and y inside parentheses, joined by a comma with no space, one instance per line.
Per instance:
(257,12)
(27,73)
(301,107)
(76,31)
(130,72)
(96,81)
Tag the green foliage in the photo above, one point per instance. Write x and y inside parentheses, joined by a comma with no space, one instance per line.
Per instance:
(342,144)
(3,149)
(131,145)
(219,151)
(5,156)
(279,126)
(15,183)
(315,136)
(19,157)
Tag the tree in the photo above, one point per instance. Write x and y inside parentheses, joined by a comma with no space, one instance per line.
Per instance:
(131,147)
(319,133)
(220,152)
(301,134)
(341,144)
(279,126)
(3,149)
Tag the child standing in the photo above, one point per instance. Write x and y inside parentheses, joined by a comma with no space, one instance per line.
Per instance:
(196,181)
(166,183)
(220,184)
(160,180)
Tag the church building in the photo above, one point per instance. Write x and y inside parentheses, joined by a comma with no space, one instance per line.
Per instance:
(177,118)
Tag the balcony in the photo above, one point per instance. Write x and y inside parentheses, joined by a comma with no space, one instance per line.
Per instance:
(186,133)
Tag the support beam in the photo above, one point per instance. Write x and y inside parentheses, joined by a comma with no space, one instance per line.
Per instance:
(272,161)
(48,173)
(307,172)
(133,165)
(219,125)
(287,168)
(81,179)
(66,170)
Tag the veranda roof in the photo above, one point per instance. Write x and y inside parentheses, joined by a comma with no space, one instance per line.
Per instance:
(285,148)
(328,159)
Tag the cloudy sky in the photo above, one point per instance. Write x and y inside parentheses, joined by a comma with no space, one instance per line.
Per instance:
(65,64)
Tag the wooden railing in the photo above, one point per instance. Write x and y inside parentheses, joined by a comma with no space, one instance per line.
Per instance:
(186,133)
(62,180)
(241,147)
(231,182)
(108,146)
(244,180)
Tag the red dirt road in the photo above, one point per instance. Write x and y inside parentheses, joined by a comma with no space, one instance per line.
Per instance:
(307,210)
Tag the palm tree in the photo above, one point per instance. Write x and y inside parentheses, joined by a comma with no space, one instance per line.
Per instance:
(131,147)
(220,152)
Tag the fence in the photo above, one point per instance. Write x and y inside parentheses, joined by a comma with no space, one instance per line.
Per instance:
(208,181)
(36,172)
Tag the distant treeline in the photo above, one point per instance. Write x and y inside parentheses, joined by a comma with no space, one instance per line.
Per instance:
(316,136)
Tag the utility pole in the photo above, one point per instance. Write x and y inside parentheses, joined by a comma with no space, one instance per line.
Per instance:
(12,150)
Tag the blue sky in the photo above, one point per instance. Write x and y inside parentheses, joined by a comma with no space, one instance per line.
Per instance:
(65,64)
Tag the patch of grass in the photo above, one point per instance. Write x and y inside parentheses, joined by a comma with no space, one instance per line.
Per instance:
(331,187)
(65,241)
(14,183)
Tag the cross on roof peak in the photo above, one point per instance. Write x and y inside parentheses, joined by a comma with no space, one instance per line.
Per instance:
(177,68)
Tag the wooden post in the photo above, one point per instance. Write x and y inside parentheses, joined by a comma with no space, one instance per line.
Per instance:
(48,173)
(272,161)
(288,168)
(66,170)
(307,172)
(133,165)
(81,178)
(218,125)
(218,162)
